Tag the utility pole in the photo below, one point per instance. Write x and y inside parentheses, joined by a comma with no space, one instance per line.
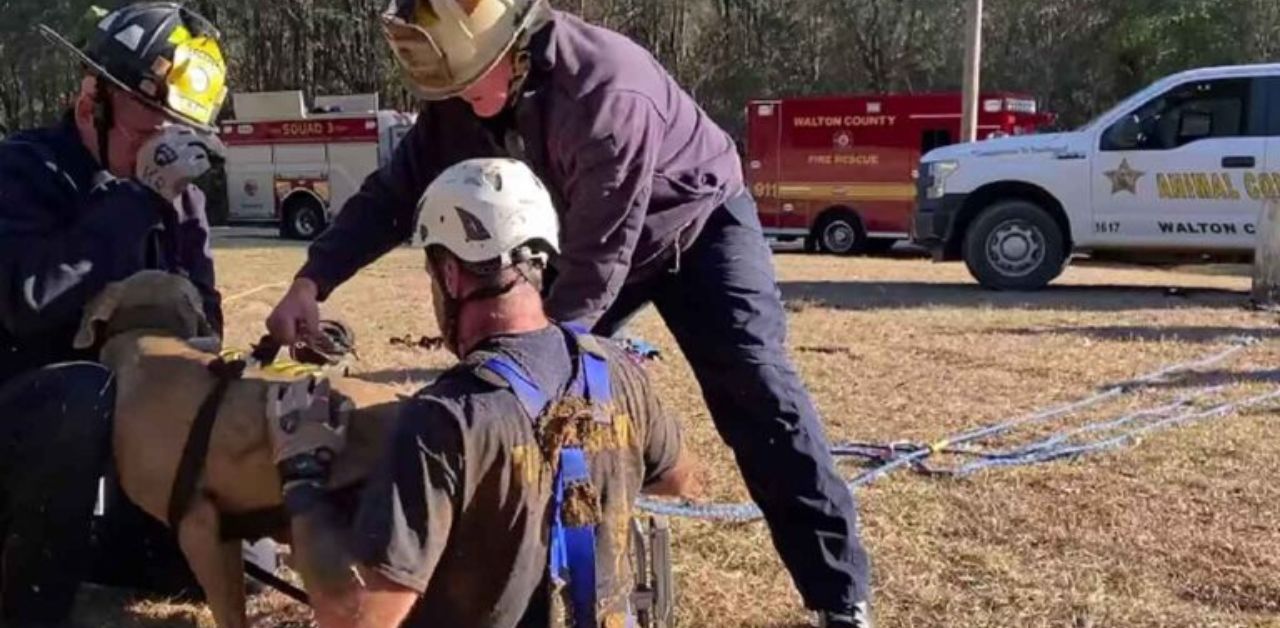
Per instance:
(1265,294)
(972,73)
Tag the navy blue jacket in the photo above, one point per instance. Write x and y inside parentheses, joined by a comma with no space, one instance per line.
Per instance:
(67,229)
(635,166)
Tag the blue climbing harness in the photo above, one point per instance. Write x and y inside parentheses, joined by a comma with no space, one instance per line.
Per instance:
(573,547)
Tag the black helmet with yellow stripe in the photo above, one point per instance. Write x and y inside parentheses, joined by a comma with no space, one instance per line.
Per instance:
(163,54)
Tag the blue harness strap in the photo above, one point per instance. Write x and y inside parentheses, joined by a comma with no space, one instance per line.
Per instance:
(578,570)
(594,369)
(572,547)
(526,390)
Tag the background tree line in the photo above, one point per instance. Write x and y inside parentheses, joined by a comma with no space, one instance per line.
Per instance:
(1077,56)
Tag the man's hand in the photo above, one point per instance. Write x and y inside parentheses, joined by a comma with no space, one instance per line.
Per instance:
(683,480)
(308,427)
(176,156)
(297,316)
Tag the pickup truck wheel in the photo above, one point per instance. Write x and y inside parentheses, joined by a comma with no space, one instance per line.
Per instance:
(303,218)
(839,232)
(1014,245)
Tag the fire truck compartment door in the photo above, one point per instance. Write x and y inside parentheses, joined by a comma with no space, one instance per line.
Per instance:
(349,164)
(249,183)
(301,154)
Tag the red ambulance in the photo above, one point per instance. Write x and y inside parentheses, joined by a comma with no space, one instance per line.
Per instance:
(840,172)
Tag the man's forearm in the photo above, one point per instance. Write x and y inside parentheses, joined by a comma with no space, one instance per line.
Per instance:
(47,275)
(679,481)
(360,235)
(343,593)
(327,566)
(582,293)
(377,219)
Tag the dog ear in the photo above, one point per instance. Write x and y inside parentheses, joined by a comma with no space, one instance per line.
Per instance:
(204,329)
(98,312)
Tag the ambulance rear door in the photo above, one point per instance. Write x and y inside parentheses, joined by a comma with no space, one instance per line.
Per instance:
(764,154)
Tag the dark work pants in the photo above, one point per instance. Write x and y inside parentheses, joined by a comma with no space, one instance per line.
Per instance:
(722,304)
(55,443)
(133,550)
(55,434)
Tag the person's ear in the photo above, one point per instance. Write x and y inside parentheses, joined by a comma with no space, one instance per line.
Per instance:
(451,276)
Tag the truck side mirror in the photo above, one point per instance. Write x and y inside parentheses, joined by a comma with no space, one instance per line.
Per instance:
(1125,134)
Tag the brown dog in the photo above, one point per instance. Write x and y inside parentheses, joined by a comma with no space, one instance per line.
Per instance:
(149,328)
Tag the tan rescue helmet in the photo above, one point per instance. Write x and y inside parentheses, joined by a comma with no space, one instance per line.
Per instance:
(446,46)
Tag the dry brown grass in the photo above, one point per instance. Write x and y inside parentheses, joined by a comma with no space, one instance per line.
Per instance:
(1179,531)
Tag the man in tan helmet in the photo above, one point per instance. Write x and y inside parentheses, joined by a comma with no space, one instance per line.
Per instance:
(653,209)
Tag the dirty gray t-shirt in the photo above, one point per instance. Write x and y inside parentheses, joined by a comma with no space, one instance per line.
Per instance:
(458,511)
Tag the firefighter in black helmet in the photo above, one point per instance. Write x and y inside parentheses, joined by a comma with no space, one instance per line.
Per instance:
(104,193)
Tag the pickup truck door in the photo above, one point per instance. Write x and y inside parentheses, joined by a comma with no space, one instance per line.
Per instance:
(1269,182)
(1185,170)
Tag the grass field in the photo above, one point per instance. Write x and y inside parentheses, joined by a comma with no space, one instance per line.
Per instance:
(1180,530)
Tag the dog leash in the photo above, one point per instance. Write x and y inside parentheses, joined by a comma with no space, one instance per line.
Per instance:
(276,582)
(192,463)
(226,368)
(197,446)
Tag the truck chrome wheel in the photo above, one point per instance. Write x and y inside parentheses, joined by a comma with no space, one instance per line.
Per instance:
(303,219)
(1015,248)
(839,237)
(307,223)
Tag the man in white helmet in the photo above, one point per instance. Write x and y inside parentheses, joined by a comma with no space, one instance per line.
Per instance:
(506,496)
(654,209)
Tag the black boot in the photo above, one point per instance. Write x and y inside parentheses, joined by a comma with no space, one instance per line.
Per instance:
(131,550)
(54,439)
(856,617)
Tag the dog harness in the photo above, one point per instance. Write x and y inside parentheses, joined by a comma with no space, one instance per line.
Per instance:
(573,542)
(228,367)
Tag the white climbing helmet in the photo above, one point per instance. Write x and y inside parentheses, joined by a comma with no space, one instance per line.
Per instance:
(489,210)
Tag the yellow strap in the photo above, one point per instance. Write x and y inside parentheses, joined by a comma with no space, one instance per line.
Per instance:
(291,368)
(285,366)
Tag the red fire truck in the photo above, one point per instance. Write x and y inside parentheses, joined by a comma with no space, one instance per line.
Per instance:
(840,172)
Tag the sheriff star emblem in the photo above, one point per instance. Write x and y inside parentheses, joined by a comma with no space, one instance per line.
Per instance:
(1124,178)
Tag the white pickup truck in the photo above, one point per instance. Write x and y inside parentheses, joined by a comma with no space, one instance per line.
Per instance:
(1184,166)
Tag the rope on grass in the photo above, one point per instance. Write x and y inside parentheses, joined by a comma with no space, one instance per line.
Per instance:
(247,293)
(895,457)
(1063,449)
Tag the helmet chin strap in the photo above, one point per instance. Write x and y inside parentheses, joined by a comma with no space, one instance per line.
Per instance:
(519,74)
(103,119)
(452,306)
(521,58)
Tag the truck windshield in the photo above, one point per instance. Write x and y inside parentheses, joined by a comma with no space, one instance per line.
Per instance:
(1094,120)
